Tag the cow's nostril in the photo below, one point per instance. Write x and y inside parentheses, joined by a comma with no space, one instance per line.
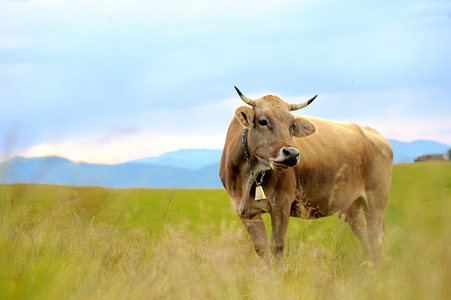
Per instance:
(286,153)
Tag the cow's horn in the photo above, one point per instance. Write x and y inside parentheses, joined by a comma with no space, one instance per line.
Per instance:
(296,106)
(246,99)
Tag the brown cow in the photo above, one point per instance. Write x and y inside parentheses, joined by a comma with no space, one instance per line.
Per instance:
(309,168)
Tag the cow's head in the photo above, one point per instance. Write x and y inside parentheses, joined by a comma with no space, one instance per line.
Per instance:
(271,128)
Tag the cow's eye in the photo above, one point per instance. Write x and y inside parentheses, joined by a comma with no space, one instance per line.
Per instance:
(263,122)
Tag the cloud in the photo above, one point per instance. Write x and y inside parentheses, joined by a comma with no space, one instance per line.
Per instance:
(116,134)
(12,41)
(403,114)
(84,71)
(138,145)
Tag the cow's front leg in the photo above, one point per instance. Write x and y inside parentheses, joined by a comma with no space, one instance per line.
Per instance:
(257,230)
(279,220)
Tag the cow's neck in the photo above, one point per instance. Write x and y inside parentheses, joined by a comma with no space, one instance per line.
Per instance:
(249,165)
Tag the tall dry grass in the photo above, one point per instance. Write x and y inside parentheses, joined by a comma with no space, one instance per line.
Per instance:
(66,254)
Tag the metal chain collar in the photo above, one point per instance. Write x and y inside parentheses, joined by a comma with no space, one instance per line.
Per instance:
(243,142)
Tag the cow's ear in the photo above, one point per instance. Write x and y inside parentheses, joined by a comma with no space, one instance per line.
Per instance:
(245,115)
(303,127)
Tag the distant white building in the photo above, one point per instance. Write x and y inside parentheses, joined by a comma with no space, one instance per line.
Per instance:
(438,156)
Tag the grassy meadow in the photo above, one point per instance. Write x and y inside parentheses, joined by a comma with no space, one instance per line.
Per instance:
(66,242)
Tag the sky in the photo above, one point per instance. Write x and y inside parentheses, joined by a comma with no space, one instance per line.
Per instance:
(112,81)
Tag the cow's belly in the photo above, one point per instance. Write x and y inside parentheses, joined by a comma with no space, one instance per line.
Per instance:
(306,206)
(326,201)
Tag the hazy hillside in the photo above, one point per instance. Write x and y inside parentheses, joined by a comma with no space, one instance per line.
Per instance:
(188,168)
(57,170)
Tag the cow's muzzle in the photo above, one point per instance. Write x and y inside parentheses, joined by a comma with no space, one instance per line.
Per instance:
(288,157)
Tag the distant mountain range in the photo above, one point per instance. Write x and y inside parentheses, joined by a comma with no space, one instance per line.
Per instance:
(405,152)
(187,168)
(192,159)
(57,170)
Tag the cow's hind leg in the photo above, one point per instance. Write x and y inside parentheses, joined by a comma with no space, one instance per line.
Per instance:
(257,230)
(376,234)
(355,217)
(375,223)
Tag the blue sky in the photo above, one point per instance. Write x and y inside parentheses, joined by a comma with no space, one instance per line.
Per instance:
(110,81)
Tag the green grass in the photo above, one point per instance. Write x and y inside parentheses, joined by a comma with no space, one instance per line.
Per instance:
(420,197)
(148,208)
(65,242)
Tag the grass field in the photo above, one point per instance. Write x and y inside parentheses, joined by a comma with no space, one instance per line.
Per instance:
(64,242)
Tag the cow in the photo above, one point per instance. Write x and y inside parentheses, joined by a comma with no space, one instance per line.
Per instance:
(306,167)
